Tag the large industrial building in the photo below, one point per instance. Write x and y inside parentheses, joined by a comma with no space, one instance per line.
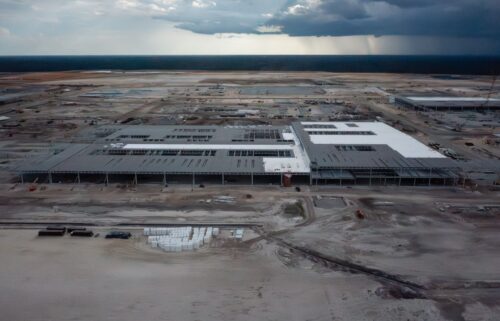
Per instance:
(303,153)
(434,103)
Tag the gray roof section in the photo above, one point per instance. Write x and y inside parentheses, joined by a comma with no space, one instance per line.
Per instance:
(458,104)
(159,164)
(81,157)
(178,134)
(327,156)
(58,155)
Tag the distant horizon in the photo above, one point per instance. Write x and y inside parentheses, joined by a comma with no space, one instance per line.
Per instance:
(423,64)
(253,55)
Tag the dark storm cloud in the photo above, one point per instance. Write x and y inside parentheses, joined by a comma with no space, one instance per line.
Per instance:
(412,3)
(452,18)
(432,18)
(221,16)
(346,9)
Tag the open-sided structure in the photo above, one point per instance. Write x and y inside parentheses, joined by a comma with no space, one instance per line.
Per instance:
(433,103)
(303,153)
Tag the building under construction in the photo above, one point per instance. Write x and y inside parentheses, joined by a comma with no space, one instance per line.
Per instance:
(302,153)
(432,103)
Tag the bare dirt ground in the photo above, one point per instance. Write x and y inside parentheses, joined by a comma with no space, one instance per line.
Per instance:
(447,248)
(98,279)
(412,253)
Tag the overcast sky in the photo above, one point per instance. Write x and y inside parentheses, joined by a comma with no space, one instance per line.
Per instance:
(249,27)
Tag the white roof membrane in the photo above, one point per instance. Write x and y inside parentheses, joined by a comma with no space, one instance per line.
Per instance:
(207,146)
(298,164)
(480,99)
(402,143)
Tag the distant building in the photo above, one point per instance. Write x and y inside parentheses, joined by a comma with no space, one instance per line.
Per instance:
(305,152)
(447,103)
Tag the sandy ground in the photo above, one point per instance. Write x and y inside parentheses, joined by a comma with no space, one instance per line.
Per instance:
(445,239)
(410,239)
(442,239)
(98,279)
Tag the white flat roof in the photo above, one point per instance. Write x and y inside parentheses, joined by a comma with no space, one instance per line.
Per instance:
(481,99)
(402,143)
(207,146)
(299,163)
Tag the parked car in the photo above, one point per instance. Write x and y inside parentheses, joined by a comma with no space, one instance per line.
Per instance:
(118,235)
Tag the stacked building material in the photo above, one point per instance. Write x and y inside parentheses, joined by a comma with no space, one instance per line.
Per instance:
(238,234)
(178,239)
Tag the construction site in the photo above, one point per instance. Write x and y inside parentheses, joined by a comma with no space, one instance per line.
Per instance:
(249,196)
(304,153)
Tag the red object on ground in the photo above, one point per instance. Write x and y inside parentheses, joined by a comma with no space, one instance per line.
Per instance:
(287,180)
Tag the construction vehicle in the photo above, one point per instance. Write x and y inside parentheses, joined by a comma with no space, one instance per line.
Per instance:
(33,186)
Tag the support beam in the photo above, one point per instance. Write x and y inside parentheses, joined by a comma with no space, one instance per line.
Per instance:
(370,177)
(164,179)
(281,178)
(22,178)
(222,178)
(251,178)
(430,176)
(192,186)
(78,177)
(50,178)
(341,177)
(135,179)
(107,179)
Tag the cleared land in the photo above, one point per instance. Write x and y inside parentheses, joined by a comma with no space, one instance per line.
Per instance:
(321,253)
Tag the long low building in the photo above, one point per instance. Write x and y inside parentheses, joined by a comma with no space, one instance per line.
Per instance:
(433,103)
(303,153)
